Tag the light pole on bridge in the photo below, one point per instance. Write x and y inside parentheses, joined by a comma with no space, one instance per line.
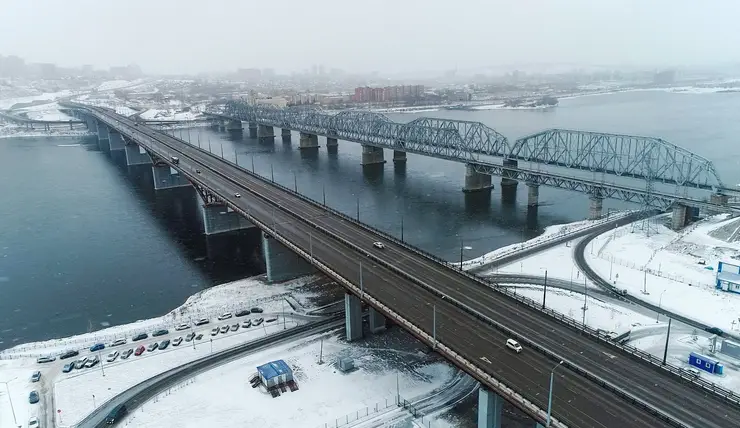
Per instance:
(549,395)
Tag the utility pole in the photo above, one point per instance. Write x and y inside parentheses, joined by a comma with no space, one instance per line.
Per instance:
(323,190)
(295,183)
(434,325)
(544,295)
(272,174)
(585,298)
(222,151)
(101,364)
(284,326)
(252,164)
(549,395)
(310,244)
(362,289)
(358,208)
(236,157)
(321,351)
(401,227)
(668,335)
(461,254)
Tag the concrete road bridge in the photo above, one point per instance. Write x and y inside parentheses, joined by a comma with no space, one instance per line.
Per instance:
(598,383)
(649,171)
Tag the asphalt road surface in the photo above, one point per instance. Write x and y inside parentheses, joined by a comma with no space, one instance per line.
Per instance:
(577,401)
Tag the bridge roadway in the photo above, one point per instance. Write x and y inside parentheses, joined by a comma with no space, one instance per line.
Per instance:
(577,401)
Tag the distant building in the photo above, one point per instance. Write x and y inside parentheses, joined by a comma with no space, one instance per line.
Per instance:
(275,373)
(388,94)
(728,277)
(275,101)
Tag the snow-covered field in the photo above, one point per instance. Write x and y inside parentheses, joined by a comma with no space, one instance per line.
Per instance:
(9,102)
(668,266)
(169,114)
(14,131)
(325,395)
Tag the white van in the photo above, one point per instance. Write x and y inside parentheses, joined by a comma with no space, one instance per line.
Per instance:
(513,345)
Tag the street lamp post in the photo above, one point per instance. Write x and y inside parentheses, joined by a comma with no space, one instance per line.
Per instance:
(667,336)
(12,409)
(544,295)
(461,254)
(549,395)
(402,227)
(660,304)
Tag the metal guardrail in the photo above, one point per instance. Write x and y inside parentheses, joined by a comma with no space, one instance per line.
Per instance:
(453,356)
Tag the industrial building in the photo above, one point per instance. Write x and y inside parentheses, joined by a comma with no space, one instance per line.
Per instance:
(275,373)
(728,277)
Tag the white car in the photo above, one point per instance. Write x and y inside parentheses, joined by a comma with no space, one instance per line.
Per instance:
(176,341)
(225,316)
(237,195)
(378,244)
(112,356)
(182,327)
(513,345)
(118,342)
(214,331)
(33,422)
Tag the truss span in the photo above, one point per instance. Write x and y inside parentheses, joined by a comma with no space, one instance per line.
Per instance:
(647,158)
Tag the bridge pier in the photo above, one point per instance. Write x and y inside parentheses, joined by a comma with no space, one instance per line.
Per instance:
(136,155)
(719,199)
(596,207)
(115,140)
(490,407)
(332,145)
(679,219)
(533,195)
(252,130)
(285,133)
(265,132)
(308,141)
(372,155)
(377,321)
(352,317)
(167,178)
(219,218)
(508,182)
(399,156)
(281,263)
(476,181)
(234,125)
(103,136)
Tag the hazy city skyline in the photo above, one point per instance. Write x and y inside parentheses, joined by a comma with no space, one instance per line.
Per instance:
(188,37)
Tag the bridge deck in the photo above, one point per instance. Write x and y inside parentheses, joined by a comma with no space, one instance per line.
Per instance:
(578,402)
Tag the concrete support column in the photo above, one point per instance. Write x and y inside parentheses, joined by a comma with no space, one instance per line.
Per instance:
(680,216)
(596,206)
(352,317)
(252,130)
(167,178)
(115,140)
(508,181)
(331,143)
(281,263)
(103,137)
(265,132)
(489,408)
(285,133)
(308,141)
(533,194)
(136,155)
(399,156)
(377,321)
(218,218)
(476,181)
(234,125)
(372,155)
(719,199)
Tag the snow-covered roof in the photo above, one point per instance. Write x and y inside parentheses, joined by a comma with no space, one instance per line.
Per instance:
(273,369)
(729,277)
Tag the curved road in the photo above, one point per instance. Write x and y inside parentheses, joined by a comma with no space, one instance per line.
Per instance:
(410,284)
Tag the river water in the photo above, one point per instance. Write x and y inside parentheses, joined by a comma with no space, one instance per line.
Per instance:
(85,242)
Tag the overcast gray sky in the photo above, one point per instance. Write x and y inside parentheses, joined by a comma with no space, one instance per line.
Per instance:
(187,36)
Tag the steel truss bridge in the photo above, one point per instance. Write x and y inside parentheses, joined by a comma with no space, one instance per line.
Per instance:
(645,170)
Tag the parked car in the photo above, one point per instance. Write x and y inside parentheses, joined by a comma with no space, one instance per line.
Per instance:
(68,367)
(513,345)
(97,347)
(715,330)
(152,347)
(68,354)
(257,321)
(224,316)
(80,363)
(271,319)
(118,342)
(202,321)
(42,360)
(256,310)
(164,344)
(36,376)
(140,350)
(182,327)
(116,414)
(243,312)
(247,324)
(161,332)
(235,327)
(214,331)
(198,337)
(176,341)
(224,329)
(33,422)
(92,362)
(127,353)
(33,397)
(112,356)
(190,336)
(140,336)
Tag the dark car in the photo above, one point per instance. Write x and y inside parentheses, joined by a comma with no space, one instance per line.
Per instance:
(33,397)
(190,336)
(69,354)
(164,344)
(242,313)
(715,330)
(116,414)
(140,336)
(256,310)
(160,332)
(97,347)
(198,337)
(68,367)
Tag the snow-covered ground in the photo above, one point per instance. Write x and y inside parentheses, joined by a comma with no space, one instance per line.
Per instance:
(15,131)
(168,114)
(9,102)
(325,394)
(668,266)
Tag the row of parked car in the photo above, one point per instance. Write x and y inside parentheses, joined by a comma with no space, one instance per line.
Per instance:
(142,336)
(234,327)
